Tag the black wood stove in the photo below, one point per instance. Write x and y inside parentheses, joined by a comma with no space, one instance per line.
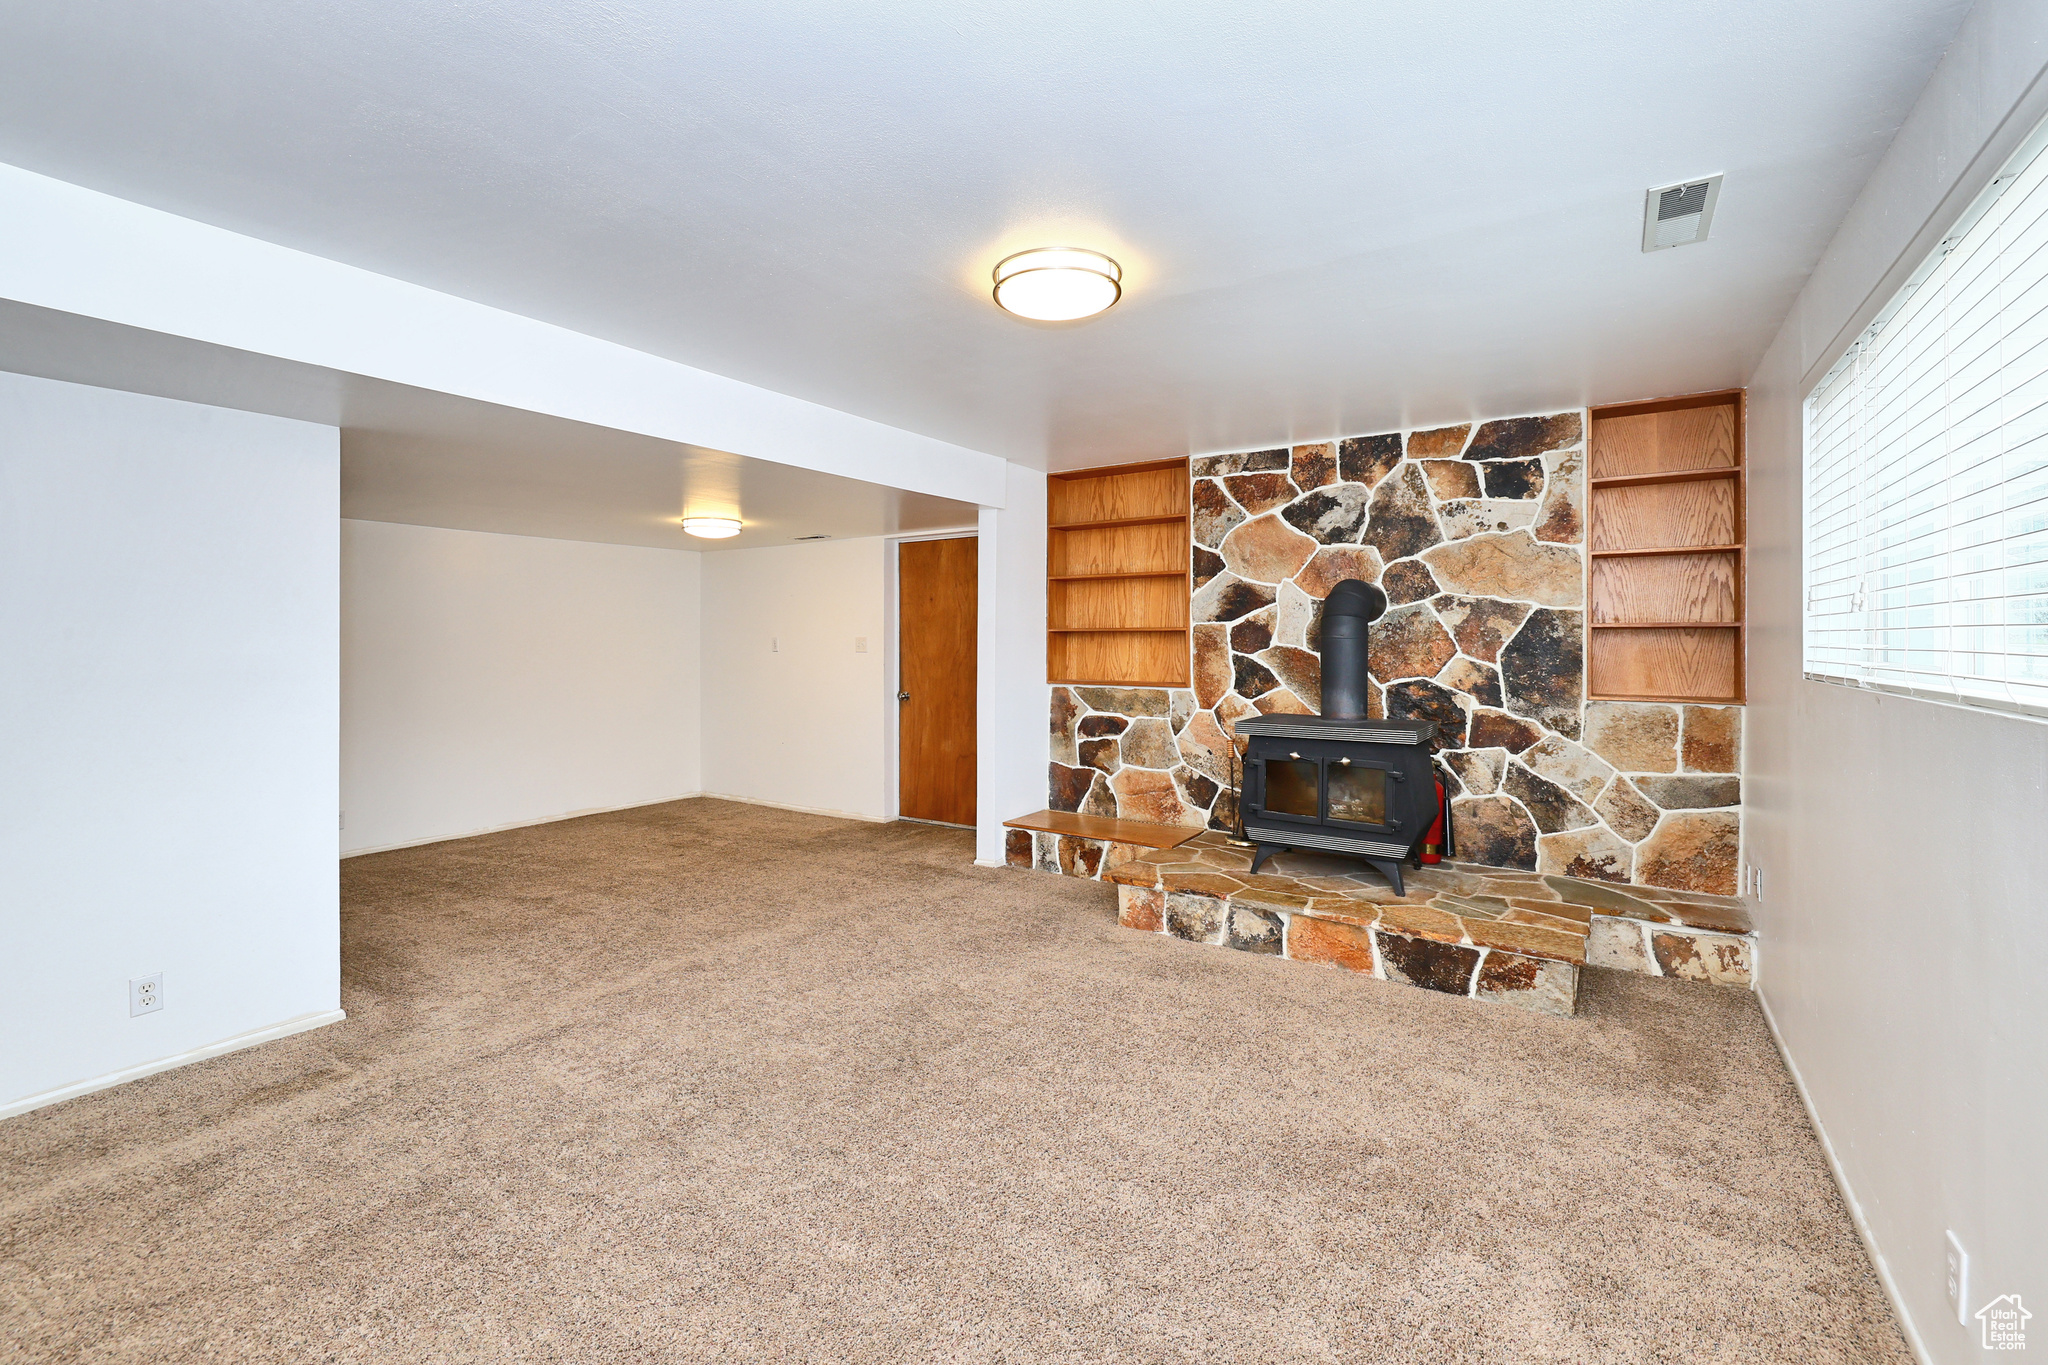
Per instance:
(1338,782)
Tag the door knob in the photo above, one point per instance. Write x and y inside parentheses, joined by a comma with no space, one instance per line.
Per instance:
(903,696)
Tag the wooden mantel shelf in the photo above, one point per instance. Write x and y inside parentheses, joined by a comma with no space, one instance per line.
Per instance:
(1105,828)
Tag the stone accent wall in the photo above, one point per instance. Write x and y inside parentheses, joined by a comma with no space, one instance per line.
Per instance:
(1476,534)
(1127,752)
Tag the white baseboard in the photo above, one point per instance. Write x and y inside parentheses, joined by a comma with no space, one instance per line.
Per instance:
(801,810)
(198,1054)
(1884,1270)
(606,810)
(524,824)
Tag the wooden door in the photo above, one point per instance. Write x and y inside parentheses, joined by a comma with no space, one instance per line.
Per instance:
(936,647)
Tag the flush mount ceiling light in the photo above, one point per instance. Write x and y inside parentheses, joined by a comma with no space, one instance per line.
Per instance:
(711,528)
(1057,283)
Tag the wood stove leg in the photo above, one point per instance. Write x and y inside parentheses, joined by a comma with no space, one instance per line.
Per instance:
(1266,851)
(1390,868)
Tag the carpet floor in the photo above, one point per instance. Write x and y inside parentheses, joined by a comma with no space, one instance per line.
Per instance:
(704,1081)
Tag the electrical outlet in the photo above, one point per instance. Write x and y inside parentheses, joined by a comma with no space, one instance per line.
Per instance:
(1959,1279)
(860,644)
(145,994)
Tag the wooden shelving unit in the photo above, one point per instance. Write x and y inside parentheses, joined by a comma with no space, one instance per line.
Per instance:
(1117,575)
(1667,485)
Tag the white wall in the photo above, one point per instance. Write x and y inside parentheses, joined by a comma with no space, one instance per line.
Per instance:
(168,696)
(492,680)
(1901,962)
(806,723)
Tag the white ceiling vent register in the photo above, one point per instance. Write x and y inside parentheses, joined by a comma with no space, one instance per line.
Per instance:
(1679,215)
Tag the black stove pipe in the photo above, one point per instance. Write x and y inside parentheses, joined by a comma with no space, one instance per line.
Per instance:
(1351,607)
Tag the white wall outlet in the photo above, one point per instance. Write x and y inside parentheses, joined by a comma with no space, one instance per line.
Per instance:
(860,644)
(1958,1279)
(145,994)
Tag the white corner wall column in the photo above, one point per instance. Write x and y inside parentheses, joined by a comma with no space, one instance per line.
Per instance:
(1903,982)
(1010,668)
(168,700)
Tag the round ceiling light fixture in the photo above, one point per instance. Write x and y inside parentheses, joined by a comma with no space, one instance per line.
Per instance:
(711,528)
(1057,283)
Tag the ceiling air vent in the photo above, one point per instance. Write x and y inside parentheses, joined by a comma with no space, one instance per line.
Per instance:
(1679,215)
(810,537)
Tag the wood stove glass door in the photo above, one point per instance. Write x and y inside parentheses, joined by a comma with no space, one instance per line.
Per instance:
(1293,788)
(1358,794)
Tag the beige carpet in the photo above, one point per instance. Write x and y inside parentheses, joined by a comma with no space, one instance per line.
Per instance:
(707,1081)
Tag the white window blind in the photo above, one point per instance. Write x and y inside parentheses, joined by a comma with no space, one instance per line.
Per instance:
(1927,470)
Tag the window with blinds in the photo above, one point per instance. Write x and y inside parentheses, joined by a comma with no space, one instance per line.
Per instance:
(1927,470)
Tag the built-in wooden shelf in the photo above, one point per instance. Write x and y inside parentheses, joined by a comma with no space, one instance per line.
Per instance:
(1117,575)
(1665,625)
(1667,535)
(1115,521)
(1668,476)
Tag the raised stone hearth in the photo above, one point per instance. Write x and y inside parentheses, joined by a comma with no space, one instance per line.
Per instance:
(1489,933)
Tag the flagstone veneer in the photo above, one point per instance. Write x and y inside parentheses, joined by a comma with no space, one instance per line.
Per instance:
(1476,533)
(1493,934)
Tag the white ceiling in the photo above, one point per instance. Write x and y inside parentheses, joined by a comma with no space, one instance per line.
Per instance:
(1333,218)
(478,468)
